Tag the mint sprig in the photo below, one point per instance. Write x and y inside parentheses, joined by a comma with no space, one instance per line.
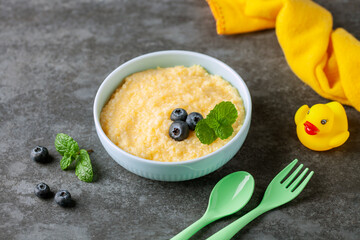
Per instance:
(69,149)
(218,123)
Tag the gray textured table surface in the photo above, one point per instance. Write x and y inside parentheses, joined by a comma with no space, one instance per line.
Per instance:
(54,56)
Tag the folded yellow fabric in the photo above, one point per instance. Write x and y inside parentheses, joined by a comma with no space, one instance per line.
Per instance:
(328,60)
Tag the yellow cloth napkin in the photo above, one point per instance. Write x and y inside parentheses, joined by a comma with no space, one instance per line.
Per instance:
(328,60)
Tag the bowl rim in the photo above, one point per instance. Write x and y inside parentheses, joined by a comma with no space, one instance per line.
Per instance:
(101,133)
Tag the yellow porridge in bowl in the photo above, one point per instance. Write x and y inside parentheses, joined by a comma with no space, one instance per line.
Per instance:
(137,116)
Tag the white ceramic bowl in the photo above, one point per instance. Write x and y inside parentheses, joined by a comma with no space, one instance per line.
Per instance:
(172,171)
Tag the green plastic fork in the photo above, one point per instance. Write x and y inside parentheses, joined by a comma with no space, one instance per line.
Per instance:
(277,193)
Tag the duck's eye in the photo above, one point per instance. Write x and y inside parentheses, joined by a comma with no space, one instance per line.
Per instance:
(323,122)
(308,112)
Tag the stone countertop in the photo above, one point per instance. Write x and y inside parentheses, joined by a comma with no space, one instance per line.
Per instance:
(55,54)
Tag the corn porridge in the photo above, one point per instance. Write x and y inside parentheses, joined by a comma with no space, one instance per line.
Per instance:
(137,116)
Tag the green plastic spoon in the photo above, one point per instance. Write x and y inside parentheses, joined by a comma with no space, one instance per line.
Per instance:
(228,196)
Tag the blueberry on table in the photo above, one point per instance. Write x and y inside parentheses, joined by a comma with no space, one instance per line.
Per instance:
(42,190)
(40,154)
(63,198)
(178,114)
(192,119)
(179,130)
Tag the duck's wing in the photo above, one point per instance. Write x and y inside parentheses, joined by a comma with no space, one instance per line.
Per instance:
(339,139)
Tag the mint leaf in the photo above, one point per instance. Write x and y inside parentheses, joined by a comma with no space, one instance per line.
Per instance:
(224,131)
(64,144)
(224,113)
(212,121)
(66,160)
(83,167)
(205,134)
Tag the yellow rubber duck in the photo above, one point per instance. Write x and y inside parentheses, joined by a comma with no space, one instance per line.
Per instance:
(323,126)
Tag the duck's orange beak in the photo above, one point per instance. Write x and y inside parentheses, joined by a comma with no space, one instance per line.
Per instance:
(310,128)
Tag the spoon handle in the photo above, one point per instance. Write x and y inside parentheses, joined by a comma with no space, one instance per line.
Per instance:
(229,231)
(193,228)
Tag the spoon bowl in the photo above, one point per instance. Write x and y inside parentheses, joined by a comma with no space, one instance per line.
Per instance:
(228,196)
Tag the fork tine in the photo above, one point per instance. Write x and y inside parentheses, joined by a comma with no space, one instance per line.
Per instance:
(303,184)
(298,179)
(281,175)
(292,176)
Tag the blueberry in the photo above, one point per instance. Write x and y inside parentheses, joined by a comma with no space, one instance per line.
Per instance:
(192,119)
(63,198)
(179,130)
(178,114)
(40,154)
(42,190)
